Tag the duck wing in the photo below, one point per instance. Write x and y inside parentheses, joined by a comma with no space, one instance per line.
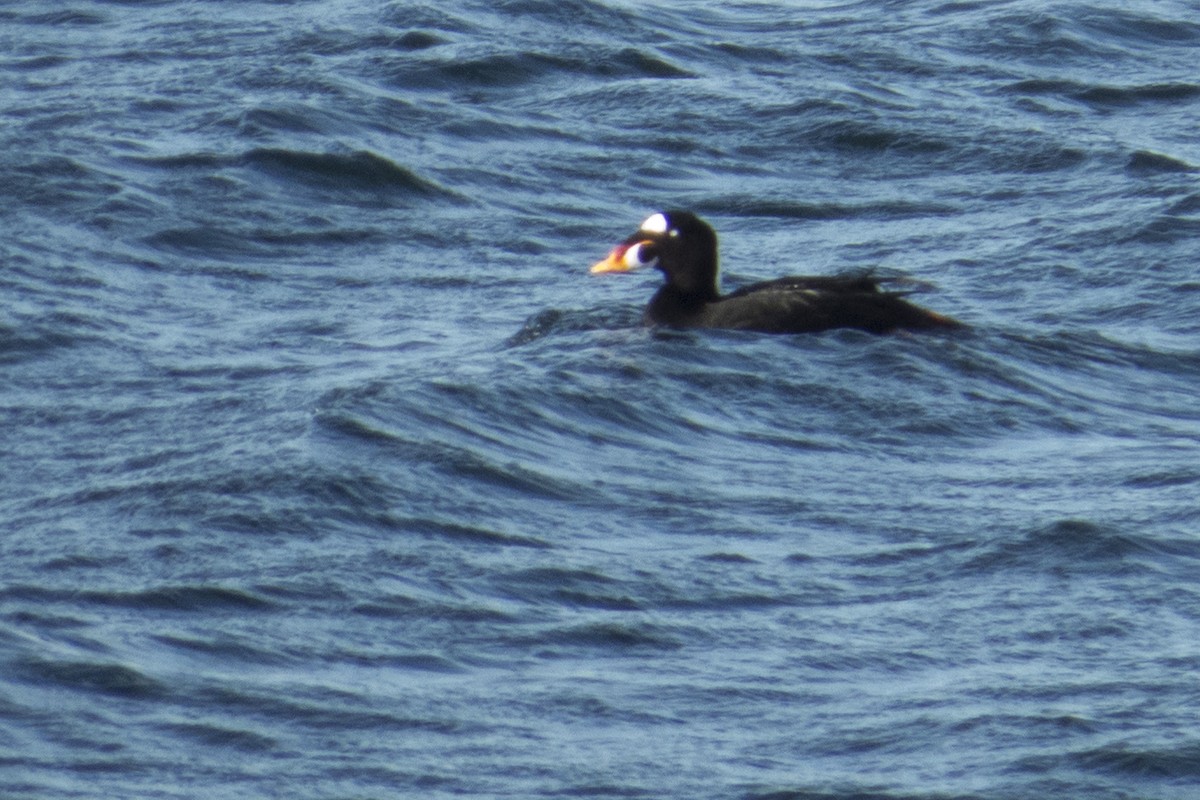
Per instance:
(804,304)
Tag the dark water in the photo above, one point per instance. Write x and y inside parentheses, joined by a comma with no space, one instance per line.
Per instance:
(329,472)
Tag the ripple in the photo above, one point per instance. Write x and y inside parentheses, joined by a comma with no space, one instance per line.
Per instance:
(353,172)
(1147,162)
(209,735)
(194,599)
(1072,546)
(613,638)
(1104,96)
(510,71)
(118,680)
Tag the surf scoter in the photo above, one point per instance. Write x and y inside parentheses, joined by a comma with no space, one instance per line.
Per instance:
(684,247)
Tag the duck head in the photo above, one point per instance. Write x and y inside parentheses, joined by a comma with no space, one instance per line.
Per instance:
(680,244)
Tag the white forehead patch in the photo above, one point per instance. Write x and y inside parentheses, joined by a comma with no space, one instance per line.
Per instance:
(655,223)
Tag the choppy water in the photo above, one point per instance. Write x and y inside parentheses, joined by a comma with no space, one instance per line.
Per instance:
(329,472)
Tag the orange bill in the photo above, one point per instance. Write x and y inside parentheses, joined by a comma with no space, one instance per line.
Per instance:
(614,263)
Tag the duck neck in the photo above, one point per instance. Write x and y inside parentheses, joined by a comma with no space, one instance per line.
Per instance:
(671,305)
(695,285)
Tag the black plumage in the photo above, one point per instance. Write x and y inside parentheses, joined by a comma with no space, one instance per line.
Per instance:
(684,248)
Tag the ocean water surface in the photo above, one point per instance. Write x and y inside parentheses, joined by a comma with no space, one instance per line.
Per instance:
(328,471)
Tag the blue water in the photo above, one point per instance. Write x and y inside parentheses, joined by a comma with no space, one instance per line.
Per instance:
(328,471)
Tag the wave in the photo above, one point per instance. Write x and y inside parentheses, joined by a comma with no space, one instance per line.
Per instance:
(1074,546)
(183,598)
(1105,96)
(321,445)
(119,680)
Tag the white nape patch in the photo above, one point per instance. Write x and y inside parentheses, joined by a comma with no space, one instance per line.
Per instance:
(655,223)
(633,257)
